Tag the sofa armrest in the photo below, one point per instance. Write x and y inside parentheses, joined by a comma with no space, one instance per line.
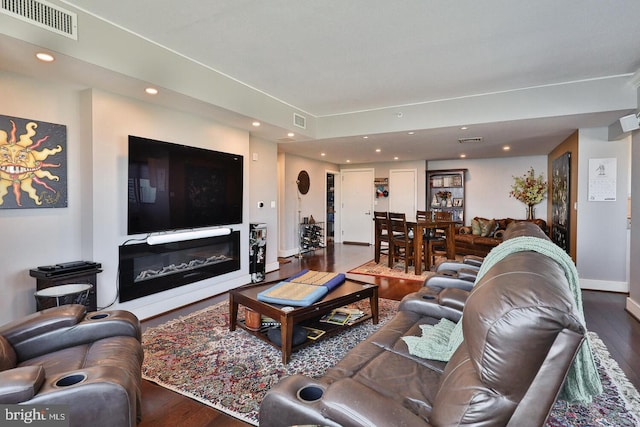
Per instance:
(20,384)
(351,403)
(448,267)
(98,396)
(453,298)
(427,303)
(287,404)
(468,274)
(299,400)
(42,322)
(441,281)
(93,327)
(473,260)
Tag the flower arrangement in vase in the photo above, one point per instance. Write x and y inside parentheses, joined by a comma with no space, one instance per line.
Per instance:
(444,197)
(529,189)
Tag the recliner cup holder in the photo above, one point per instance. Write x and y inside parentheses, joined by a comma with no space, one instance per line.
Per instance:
(70,380)
(98,316)
(310,393)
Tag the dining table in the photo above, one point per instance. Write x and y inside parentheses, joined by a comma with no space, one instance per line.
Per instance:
(419,228)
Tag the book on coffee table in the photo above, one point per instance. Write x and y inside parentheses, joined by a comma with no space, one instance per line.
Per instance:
(314,333)
(336,318)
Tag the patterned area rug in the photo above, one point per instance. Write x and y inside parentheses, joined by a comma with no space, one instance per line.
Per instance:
(199,357)
(382,269)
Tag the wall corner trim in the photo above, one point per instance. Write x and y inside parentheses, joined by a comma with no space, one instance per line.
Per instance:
(633,308)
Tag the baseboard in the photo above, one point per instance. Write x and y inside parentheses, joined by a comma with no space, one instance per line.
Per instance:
(287,253)
(146,310)
(604,285)
(274,266)
(633,308)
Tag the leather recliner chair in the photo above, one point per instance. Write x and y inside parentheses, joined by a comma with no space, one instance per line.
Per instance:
(521,331)
(450,287)
(90,362)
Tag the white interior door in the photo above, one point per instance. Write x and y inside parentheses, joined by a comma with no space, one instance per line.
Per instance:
(357,206)
(403,192)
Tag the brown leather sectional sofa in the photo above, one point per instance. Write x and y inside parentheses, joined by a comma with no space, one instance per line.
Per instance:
(88,362)
(521,333)
(480,243)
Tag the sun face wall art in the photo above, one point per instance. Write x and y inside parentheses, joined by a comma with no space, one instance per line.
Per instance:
(33,164)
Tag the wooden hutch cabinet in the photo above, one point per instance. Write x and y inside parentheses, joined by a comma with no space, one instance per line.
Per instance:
(445,192)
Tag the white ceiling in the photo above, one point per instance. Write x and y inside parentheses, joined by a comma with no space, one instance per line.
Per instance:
(380,68)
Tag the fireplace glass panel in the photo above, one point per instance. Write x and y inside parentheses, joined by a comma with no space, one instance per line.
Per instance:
(146,269)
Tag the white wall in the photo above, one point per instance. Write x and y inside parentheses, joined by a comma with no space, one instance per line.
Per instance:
(34,237)
(488,183)
(263,176)
(602,252)
(94,223)
(113,119)
(381,170)
(295,206)
(633,302)
(603,237)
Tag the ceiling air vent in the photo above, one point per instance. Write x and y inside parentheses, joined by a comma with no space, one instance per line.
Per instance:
(44,15)
(467,140)
(286,139)
(300,121)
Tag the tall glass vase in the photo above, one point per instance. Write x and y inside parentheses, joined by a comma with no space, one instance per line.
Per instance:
(531,212)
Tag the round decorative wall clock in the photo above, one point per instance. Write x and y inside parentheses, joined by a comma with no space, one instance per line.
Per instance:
(303,182)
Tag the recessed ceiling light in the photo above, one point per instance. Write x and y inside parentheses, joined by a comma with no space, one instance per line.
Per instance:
(506,148)
(365,137)
(411,133)
(395,158)
(462,156)
(464,128)
(151,90)
(378,150)
(323,154)
(291,134)
(348,161)
(45,57)
(255,124)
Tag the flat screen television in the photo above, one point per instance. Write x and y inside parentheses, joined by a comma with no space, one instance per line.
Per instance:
(175,187)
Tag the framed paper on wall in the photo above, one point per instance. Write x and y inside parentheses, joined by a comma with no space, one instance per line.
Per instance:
(560,201)
(602,180)
(33,164)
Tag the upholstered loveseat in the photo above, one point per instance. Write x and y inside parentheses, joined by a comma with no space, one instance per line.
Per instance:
(521,332)
(485,234)
(88,362)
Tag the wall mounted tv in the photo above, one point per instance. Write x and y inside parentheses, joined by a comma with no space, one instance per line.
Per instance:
(173,187)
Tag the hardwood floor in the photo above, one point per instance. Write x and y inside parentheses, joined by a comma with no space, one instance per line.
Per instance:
(604,314)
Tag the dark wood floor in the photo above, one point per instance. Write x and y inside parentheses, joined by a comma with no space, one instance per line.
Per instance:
(604,313)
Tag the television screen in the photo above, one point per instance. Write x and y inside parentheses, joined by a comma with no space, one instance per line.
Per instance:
(173,187)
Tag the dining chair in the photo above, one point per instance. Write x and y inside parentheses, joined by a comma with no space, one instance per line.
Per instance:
(401,244)
(425,216)
(381,238)
(437,244)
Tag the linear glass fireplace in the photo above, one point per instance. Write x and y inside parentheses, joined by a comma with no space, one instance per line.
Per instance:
(146,269)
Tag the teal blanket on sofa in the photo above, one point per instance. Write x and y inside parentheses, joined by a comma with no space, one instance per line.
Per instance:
(438,342)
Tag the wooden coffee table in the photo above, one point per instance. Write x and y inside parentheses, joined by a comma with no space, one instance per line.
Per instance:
(347,293)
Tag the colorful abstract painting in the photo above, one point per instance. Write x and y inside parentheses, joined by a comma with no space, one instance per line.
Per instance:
(33,164)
